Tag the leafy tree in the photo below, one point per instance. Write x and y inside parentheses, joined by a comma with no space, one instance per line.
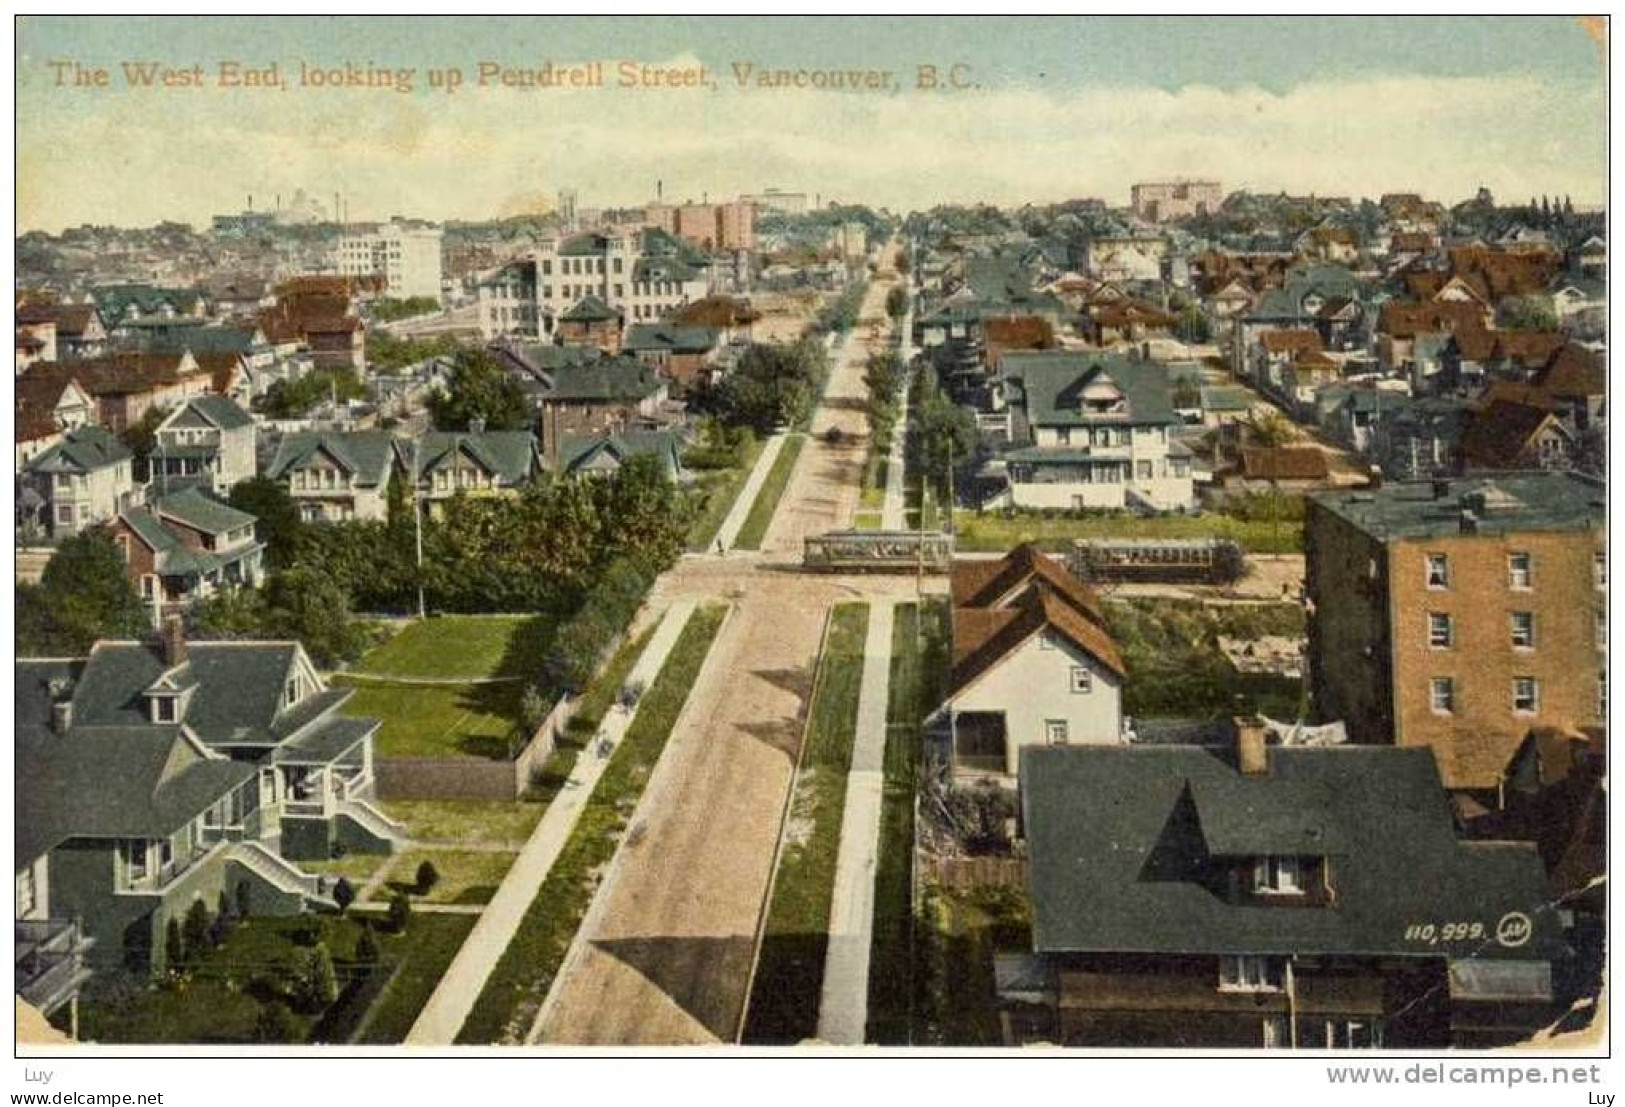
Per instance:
(427,877)
(141,437)
(233,614)
(1192,325)
(83,595)
(386,353)
(389,309)
(533,709)
(343,894)
(1528,313)
(174,944)
(945,437)
(479,389)
(292,399)
(316,986)
(274,1024)
(772,385)
(1187,394)
(897,302)
(1270,429)
(366,947)
(277,518)
(313,609)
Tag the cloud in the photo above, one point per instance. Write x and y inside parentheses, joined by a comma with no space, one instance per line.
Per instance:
(136,159)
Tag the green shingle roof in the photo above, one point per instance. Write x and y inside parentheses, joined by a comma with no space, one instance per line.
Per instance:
(220,411)
(1052,383)
(609,379)
(81,450)
(202,512)
(239,688)
(581,452)
(671,338)
(367,455)
(511,456)
(1126,845)
(590,309)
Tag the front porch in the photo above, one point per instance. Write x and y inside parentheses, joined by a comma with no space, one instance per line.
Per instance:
(50,962)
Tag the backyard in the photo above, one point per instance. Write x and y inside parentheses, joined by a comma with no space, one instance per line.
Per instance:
(790,970)
(960,930)
(449,686)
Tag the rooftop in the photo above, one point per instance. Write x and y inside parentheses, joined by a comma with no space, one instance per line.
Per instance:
(1502,503)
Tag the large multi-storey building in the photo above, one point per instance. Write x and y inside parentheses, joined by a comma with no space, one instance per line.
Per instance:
(1161,201)
(728,226)
(406,256)
(1460,614)
(642,274)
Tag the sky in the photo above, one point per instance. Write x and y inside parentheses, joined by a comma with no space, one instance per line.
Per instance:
(1053,108)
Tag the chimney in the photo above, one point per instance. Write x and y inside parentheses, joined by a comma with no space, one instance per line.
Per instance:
(174,641)
(61,716)
(1441,490)
(1252,757)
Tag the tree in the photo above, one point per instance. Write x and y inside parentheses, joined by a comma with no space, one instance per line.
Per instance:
(1528,313)
(84,594)
(533,709)
(366,946)
(1192,326)
(196,929)
(343,894)
(313,609)
(274,1024)
(174,944)
(427,877)
(479,391)
(1270,429)
(141,437)
(945,437)
(316,986)
(897,302)
(276,516)
(772,385)
(1187,394)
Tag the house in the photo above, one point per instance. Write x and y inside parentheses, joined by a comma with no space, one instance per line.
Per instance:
(1401,326)
(1459,614)
(335,475)
(240,359)
(209,440)
(1277,350)
(1127,320)
(1474,355)
(150,777)
(443,464)
(683,353)
(46,405)
(591,322)
(732,316)
(1420,438)
(1268,896)
(1290,469)
(1091,430)
(76,329)
(83,480)
(126,385)
(602,454)
(507,301)
(607,395)
(122,305)
(1509,434)
(1033,664)
(185,547)
(36,342)
(1575,380)
(317,316)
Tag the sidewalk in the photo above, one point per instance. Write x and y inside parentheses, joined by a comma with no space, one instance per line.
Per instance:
(844,1007)
(442,1017)
(892,513)
(728,532)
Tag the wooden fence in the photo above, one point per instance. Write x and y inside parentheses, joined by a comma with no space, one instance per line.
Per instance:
(981,872)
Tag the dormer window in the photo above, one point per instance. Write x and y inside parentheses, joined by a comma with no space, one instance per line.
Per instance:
(1278,876)
(1250,974)
(165,707)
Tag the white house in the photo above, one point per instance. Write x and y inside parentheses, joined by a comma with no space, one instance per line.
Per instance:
(335,476)
(1091,431)
(1033,664)
(83,480)
(209,440)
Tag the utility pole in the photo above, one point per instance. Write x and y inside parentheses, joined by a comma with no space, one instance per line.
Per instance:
(417,524)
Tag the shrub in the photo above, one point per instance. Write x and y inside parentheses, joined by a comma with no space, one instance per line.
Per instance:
(275,1024)
(174,944)
(427,877)
(196,929)
(316,985)
(366,947)
(245,899)
(400,911)
(343,894)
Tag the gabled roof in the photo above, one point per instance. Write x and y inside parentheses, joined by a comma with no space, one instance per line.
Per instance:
(366,455)
(590,309)
(995,583)
(1573,372)
(983,636)
(1500,435)
(1052,382)
(671,338)
(1284,463)
(716,311)
(200,511)
(37,397)
(1289,341)
(221,412)
(511,457)
(81,450)
(1127,846)
(605,381)
(580,452)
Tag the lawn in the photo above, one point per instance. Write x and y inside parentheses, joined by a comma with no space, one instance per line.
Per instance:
(718,488)
(598,697)
(1175,669)
(760,518)
(959,933)
(222,998)
(790,968)
(516,988)
(1000,531)
(464,876)
(466,822)
(455,719)
(918,675)
(357,868)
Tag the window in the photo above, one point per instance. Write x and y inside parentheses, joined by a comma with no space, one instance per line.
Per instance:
(1055,732)
(1520,571)
(1046,641)
(1249,974)
(1438,575)
(1145,470)
(1442,694)
(134,851)
(163,709)
(64,513)
(1278,876)
(1352,1034)
(1439,635)
(1523,630)
(26,893)
(1525,695)
(1082,680)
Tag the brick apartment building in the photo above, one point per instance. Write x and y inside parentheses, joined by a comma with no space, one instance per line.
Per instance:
(1460,615)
